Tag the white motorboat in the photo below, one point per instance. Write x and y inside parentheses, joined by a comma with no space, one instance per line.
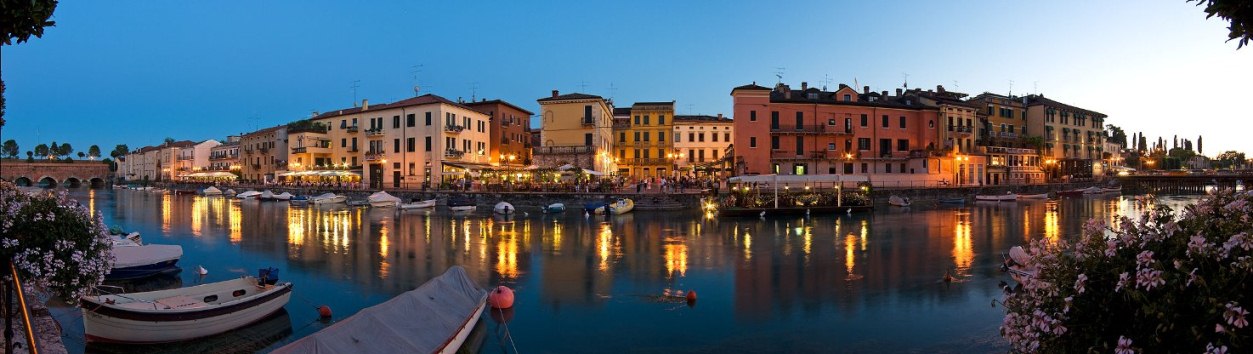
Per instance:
(418,204)
(248,195)
(126,240)
(267,195)
(1018,264)
(133,260)
(381,199)
(283,196)
(1010,196)
(229,192)
(1094,190)
(1033,196)
(328,198)
(504,208)
(555,208)
(211,191)
(619,207)
(181,314)
(899,201)
(448,307)
(462,205)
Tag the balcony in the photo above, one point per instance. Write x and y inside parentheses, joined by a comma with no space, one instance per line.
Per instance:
(374,155)
(453,128)
(223,157)
(900,155)
(182,157)
(811,129)
(350,128)
(353,149)
(646,161)
(256,166)
(312,149)
(264,150)
(559,150)
(374,132)
(453,154)
(588,121)
(1007,135)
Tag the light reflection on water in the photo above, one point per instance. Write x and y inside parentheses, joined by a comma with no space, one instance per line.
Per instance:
(593,284)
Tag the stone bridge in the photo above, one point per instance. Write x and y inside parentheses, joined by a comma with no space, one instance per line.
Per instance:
(52,174)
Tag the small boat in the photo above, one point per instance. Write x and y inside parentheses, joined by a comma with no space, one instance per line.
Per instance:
(952,201)
(591,207)
(1112,190)
(1072,192)
(211,191)
(185,192)
(119,186)
(1018,264)
(181,314)
(619,207)
(248,195)
(299,200)
(449,307)
(266,196)
(1033,196)
(504,208)
(555,208)
(120,239)
(462,205)
(229,192)
(283,196)
(381,199)
(899,201)
(418,204)
(328,198)
(1008,196)
(134,260)
(358,203)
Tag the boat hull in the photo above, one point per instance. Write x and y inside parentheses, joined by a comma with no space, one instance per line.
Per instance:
(463,208)
(143,271)
(384,204)
(107,324)
(996,198)
(418,205)
(455,343)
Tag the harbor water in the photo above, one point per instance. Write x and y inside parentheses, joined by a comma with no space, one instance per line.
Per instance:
(866,282)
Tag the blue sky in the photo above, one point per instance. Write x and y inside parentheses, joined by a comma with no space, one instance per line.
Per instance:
(136,72)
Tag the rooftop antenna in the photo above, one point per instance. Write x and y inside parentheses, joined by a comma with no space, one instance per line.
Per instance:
(613,91)
(1035,87)
(955,85)
(415,70)
(474,91)
(826,80)
(354,91)
(855,83)
(778,74)
(582,86)
(1011,88)
(906,76)
(689,108)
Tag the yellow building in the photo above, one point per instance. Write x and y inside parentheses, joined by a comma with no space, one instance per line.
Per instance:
(576,129)
(703,144)
(645,148)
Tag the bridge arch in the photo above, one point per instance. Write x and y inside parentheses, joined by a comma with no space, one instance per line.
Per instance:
(96,182)
(47,182)
(72,182)
(23,181)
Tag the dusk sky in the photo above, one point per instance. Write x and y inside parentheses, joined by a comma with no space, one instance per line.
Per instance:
(137,72)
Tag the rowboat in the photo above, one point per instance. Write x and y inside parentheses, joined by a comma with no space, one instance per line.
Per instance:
(185,191)
(181,314)
(358,203)
(1034,196)
(1094,190)
(619,207)
(462,205)
(899,201)
(953,201)
(504,208)
(996,197)
(328,198)
(730,211)
(418,204)
(1072,192)
(381,199)
(555,208)
(437,317)
(1112,190)
(299,200)
(133,260)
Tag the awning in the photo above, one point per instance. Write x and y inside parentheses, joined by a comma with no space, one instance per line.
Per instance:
(798,179)
(469,166)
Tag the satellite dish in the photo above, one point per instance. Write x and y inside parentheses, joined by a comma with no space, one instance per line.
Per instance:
(416,89)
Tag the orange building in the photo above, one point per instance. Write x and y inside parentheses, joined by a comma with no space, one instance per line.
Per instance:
(509,144)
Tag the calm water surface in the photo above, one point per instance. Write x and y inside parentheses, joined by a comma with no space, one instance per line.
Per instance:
(859,283)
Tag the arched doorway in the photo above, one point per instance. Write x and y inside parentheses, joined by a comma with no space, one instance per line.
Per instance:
(23,182)
(97,182)
(47,182)
(73,182)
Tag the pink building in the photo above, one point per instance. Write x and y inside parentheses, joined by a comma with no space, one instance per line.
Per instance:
(893,140)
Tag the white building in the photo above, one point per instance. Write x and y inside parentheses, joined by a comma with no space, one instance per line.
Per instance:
(194,158)
(702,141)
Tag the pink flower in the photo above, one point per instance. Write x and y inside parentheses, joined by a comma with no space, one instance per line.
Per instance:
(1122,281)
(1211,349)
(1235,315)
(1144,259)
(1080,283)
(1124,346)
(1218,328)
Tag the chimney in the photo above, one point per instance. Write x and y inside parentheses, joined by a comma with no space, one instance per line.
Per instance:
(365,104)
(719,116)
(885,95)
(865,90)
(939,88)
(898,91)
(554,93)
(804,85)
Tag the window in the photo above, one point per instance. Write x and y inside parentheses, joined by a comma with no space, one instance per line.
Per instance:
(752,116)
(637,120)
(587,138)
(800,116)
(343,143)
(395,146)
(865,121)
(646,134)
(714,136)
(848,97)
(726,137)
(645,119)
(637,136)
(701,153)
(691,137)
(395,122)
(848,167)
(752,142)
(774,120)
(885,121)
(774,142)
(411,145)
(621,137)
(646,153)
(902,144)
(700,137)
(902,122)
(691,155)
(661,119)
(677,136)
(715,153)
(587,114)
(889,167)
(950,124)
(831,146)
(864,167)
(636,154)
(800,145)
(661,136)
(863,144)
(428,143)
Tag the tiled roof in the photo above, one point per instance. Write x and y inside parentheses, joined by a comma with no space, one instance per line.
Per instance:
(1036,100)
(752,86)
(487,102)
(618,111)
(570,96)
(263,131)
(408,102)
(670,103)
(701,118)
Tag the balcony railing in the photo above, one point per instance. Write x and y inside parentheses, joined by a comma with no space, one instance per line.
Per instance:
(374,155)
(555,150)
(647,161)
(453,128)
(353,149)
(1007,135)
(961,128)
(374,132)
(351,128)
(223,157)
(812,129)
(588,121)
(453,154)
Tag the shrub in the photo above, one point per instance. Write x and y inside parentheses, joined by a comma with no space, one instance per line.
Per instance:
(56,245)
(1160,283)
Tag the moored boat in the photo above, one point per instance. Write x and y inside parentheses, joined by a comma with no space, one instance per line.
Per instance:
(1018,264)
(266,196)
(1034,196)
(618,207)
(211,191)
(1009,196)
(462,205)
(248,195)
(181,314)
(283,196)
(449,307)
(299,200)
(504,208)
(952,201)
(899,201)
(358,203)
(328,198)
(555,208)
(795,210)
(381,199)
(185,191)
(418,204)
(133,260)
(1072,192)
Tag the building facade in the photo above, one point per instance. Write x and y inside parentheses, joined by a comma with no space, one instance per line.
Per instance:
(264,154)
(576,129)
(645,148)
(508,143)
(225,157)
(892,140)
(1073,137)
(195,158)
(703,144)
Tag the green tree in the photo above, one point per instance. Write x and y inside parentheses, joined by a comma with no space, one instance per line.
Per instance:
(66,149)
(10,148)
(1143,142)
(1229,159)
(112,164)
(1199,147)
(1116,134)
(41,150)
(93,151)
(120,150)
(81,154)
(169,140)
(1238,13)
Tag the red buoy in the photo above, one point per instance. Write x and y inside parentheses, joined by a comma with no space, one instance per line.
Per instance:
(691,296)
(324,311)
(501,297)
